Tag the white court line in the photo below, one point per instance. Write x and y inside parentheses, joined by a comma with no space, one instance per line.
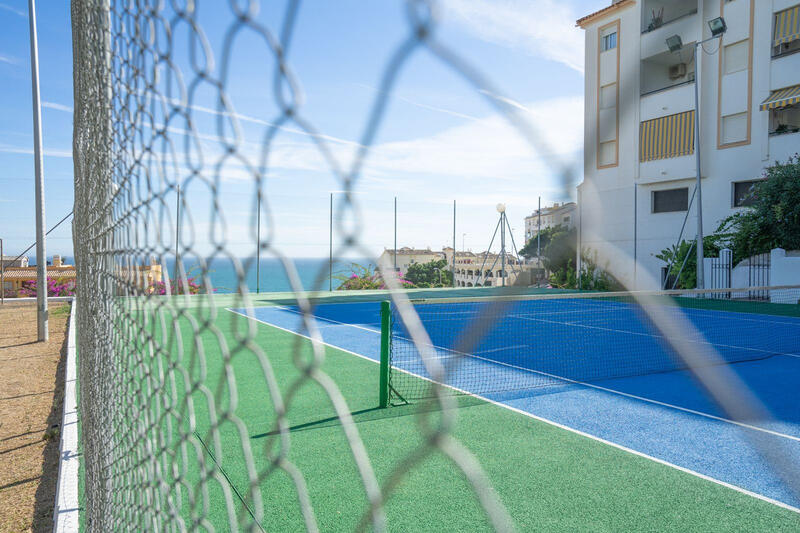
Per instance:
(614,330)
(551,422)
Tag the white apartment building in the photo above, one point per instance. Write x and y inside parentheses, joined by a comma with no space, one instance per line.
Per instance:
(639,149)
(557,214)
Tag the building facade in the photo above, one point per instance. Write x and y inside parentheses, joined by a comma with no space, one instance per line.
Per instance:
(408,256)
(483,269)
(639,133)
(557,214)
(8,261)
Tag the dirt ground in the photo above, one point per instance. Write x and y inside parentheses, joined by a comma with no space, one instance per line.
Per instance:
(31,397)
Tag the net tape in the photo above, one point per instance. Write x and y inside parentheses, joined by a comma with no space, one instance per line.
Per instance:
(138,67)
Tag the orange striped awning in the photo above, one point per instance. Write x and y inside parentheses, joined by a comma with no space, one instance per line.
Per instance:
(787,26)
(782,98)
(670,136)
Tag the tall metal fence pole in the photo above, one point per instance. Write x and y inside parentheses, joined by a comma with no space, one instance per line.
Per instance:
(258,244)
(539,235)
(330,247)
(177,236)
(453,266)
(635,232)
(395,234)
(41,251)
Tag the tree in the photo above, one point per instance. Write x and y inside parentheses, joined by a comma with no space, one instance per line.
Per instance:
(529,250)
(685,268)
(772,221)
(434,273)
(561,248)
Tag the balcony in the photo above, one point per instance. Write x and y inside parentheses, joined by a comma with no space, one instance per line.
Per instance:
(658,13)
(674,99)
(785,71)
(667,70)
(687,26)
(783,145)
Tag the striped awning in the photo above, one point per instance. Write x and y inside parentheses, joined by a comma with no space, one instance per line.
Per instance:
(782,98)
(787,26)
(670,136)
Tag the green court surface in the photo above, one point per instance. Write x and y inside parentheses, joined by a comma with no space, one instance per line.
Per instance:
(547,477)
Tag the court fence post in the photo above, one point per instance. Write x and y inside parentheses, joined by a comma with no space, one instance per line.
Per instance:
(386,332)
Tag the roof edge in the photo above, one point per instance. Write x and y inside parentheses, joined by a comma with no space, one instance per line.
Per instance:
(593,17)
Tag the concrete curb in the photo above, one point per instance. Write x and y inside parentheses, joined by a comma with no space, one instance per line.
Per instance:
(66,513)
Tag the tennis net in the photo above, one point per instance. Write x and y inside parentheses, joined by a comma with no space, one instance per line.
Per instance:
(494,345)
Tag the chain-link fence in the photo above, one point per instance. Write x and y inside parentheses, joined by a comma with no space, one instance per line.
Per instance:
(158,383)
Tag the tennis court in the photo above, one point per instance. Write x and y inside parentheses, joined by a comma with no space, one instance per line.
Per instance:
(597,367)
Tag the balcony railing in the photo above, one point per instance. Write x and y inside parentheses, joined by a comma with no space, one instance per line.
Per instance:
(668,87)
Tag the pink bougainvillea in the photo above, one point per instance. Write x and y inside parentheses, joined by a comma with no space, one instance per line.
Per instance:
(55,287)
(191,287)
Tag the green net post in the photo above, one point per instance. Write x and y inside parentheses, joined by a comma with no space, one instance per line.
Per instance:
(386,332)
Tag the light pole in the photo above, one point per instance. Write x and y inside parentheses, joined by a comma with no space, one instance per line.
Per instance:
(501,208)
(674,43)
(41,253)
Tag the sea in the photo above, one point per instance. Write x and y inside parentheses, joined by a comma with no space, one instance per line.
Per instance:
(272,278)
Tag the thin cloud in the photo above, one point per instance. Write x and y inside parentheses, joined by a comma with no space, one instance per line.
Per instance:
(544,28)
(8,59)
(19,12)
(57,107)
(29,151)
(429,107)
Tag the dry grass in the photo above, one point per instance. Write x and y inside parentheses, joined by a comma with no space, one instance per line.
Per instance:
(31,397)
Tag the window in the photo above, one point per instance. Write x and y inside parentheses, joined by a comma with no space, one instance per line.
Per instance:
(736,56)
(784,120)
(671,200)
(743,193)
(786,33)
(734,128)
(608,153)
(609,41)
(608,96)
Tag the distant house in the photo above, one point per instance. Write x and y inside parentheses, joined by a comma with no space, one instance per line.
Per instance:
(135,279)
(15,276)
(9,261)
(408,256)
(483,269)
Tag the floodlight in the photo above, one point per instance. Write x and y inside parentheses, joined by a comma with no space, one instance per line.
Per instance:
(717,26)
(674,43)
(501,208)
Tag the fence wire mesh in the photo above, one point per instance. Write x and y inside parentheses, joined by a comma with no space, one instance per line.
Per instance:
(158,385)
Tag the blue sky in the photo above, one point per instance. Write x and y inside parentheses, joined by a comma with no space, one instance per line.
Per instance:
(439,141)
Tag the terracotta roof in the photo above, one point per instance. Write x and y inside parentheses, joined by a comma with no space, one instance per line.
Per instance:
(411,251)
(615,6)
(31,274)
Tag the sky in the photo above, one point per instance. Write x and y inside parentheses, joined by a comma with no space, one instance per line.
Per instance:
(440,139)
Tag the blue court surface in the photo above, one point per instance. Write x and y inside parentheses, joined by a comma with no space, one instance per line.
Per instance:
(602,371)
